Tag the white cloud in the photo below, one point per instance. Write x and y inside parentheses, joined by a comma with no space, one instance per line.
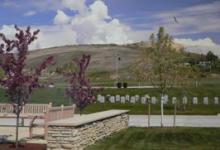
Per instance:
(200,46)
(8,30)
(49,36)
(89,25)
(93,25)
(100,10)
(75,5)
(200,42)
(61,18)
(30,13)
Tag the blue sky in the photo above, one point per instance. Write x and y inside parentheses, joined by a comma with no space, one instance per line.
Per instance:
(114,21)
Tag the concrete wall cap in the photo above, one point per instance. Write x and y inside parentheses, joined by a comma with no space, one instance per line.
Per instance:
(78,120)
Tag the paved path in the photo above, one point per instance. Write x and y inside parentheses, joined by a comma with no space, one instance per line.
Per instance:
(181,120)
(141,121)
(23,134)
(12,121)
(6,125)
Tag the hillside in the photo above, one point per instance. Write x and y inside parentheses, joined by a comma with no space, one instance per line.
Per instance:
(103,56)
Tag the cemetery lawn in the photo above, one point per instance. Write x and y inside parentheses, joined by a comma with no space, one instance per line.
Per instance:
(57,97)
(141,109)
(161,139)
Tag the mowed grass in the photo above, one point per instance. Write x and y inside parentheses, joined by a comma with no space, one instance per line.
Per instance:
(140,109)
(161,139)
(207,88)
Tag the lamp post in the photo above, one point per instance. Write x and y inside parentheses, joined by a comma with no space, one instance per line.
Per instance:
(117,60)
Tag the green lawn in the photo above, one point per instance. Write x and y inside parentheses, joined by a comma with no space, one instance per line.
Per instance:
(161,139)
(57,96)
(155,109)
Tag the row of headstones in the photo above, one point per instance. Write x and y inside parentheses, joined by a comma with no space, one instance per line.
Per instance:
(153,100)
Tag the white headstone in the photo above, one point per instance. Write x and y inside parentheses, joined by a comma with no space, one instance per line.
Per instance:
(133,99)
(137,97)
(174,100)
(166,99)
(127,97)
(205,100)
(185,100)
(99,97)
(102,99)
(117,98)
(143,100)
(153,100)
(216,100)
(195,100)
(123,99)
(112,99)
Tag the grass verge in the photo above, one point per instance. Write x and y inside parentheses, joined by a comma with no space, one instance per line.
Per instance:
(161,139)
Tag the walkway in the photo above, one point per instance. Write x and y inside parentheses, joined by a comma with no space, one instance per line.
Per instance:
(181,121)
(142,120)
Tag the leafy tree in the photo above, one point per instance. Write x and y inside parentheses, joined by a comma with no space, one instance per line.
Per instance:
(160,64)
(18,83)
(212,58)
(80,90)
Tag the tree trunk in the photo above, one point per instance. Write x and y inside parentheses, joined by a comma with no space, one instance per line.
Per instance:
(161,106)
(80,112)
(149,113)
(174,118)
(17,125)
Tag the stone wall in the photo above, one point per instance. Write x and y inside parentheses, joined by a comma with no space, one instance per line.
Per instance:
(78,137)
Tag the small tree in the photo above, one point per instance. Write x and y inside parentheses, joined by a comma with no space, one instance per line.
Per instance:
(18,83)
(80,90)
(185,75)
(212,58)
(160,63)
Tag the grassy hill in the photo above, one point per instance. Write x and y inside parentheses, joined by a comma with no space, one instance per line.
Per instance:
(103,56)
(102,68)
(103,59)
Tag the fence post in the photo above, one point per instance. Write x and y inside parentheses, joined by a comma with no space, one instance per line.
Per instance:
(62,111)
(50,104)
(46,119)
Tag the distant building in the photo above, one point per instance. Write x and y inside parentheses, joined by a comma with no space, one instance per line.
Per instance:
(205,65)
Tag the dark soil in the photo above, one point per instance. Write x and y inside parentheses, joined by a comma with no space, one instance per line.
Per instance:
(23,147)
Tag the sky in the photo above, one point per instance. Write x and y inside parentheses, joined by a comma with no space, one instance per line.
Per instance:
(68,22)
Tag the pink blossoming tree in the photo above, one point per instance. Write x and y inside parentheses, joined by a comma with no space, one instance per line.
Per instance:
(80,90)
(18,83)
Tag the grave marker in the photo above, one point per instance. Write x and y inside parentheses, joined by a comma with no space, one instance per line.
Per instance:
(185,100)
(133,99)
(195,100)
(216,100)
(174,100)
(117,98)
(112,99)
(153,100)
(143,100)
(205,100)
(123,99)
